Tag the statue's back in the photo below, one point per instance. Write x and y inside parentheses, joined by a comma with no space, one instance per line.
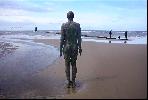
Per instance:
(71,36)
(71,33)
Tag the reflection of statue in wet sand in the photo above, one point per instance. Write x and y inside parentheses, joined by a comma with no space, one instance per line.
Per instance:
(71,90)
(70,45)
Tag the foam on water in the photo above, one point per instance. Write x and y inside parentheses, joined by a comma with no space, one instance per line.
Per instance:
(138,40)
(23,36)
(41,35)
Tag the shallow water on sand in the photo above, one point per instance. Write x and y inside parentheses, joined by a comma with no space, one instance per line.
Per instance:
(18,67)
(29,57)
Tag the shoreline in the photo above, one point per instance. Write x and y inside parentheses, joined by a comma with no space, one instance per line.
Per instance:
(56,42)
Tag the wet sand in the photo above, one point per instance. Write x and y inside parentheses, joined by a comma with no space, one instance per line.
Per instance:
(104,71)
(6,48)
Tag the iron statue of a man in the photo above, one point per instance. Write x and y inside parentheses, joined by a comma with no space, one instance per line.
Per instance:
(70,46)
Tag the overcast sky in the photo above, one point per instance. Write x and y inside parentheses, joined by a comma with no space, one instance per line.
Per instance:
(91,14)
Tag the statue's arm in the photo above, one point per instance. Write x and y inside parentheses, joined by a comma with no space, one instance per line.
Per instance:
(79,39)
(62,40)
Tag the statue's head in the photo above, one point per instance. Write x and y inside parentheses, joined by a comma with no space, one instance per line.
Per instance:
(70,15)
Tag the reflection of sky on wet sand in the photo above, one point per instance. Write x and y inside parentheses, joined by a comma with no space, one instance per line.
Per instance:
(36,56)
(18,68)
(6,48)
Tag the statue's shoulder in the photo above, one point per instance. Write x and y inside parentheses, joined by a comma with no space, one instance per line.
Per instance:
(75,23)
(64,25)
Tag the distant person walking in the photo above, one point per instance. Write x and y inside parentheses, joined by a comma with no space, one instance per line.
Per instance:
(70,45)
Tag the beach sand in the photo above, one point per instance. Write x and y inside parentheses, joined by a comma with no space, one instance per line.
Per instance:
(104,71)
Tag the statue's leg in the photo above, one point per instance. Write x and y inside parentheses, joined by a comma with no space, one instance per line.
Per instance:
(74,71)
(67,70)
